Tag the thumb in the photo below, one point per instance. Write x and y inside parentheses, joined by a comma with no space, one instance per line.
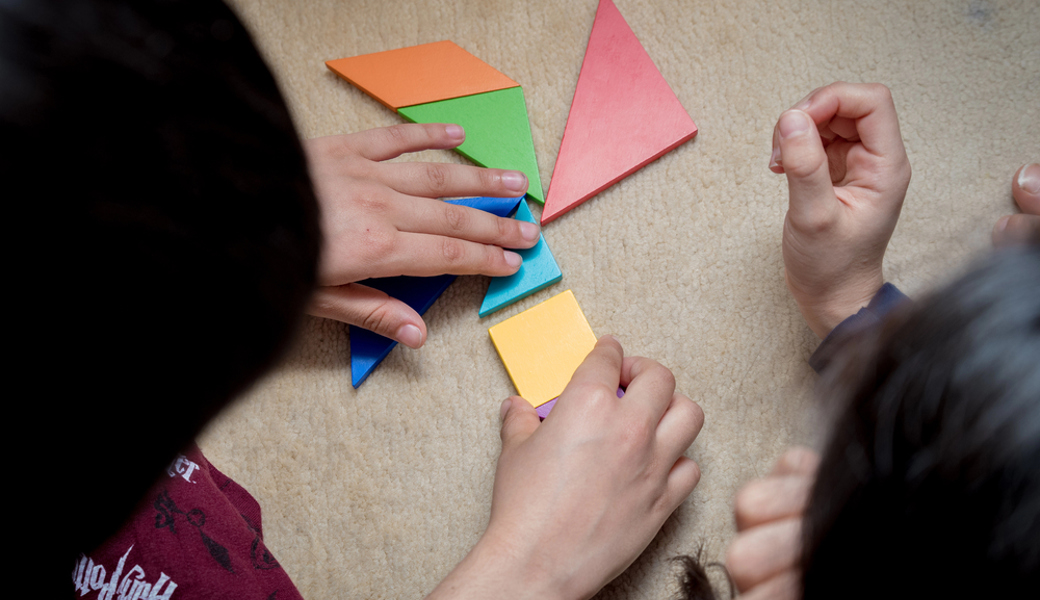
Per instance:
(371,309)
(519,421)
(804,160)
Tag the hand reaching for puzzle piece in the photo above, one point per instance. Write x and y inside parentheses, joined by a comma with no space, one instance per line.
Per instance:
(579,496)
(383,219)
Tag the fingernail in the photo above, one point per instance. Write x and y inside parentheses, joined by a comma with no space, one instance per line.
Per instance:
(505,408)
(410,336)
(1029,178)
(793,123)
(529,231)
(455,132)
(1002,224)
(803,104)
(774,158)
(513,259)
(514,180)
(615,338)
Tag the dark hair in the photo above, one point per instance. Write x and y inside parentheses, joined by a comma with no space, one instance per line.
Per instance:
(930,483)
(166,241)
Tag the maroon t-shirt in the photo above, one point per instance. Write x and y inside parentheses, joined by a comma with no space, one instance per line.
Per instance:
(198,535)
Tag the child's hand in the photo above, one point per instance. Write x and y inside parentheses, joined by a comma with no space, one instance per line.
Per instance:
(1025,227)
(578,497)
(381,219)
(763,559)
(847,173)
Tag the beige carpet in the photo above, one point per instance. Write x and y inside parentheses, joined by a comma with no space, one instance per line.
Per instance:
(378,492)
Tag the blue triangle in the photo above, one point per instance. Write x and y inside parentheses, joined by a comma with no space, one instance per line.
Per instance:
(538,272)
(368,349)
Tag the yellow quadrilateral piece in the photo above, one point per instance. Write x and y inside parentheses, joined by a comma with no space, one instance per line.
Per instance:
(543,346)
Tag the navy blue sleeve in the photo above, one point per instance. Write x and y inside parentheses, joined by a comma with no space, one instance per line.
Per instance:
(887,298)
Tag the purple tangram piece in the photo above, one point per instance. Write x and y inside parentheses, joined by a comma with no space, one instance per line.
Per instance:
(543,410)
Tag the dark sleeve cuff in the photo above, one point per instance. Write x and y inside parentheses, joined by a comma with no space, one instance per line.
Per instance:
(887,298)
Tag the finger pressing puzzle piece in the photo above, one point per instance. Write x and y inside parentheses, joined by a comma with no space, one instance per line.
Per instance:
(368,349)
(538,271)
(543,346)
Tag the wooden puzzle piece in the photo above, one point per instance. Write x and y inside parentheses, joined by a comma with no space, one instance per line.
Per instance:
(368,349)
(542,346)
(538,271)
(498,133)
(420,74)
(624,115)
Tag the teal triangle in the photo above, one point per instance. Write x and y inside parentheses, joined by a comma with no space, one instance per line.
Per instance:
(538,271)
(498,134)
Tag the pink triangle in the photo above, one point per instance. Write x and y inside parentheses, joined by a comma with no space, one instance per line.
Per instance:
(623,116)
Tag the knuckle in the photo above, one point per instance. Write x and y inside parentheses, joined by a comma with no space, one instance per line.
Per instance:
(636,435)
(371,203)
(811,223)
(437,177)
(452,251)
(455,218)
(493,258)
(488,179)
(594,397)
(380,320)
(507,228)
(880,90)
(664,375)
(396,134)
(376,245)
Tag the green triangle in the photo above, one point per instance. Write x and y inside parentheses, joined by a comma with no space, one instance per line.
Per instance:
(498,134)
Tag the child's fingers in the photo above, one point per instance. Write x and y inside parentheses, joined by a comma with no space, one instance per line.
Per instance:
(869,105)
(434,217)
(445,180)
(385,143)
(370,309)
(797,460)
(784,586)
(602,367)
(683,477)
(428,255)
(1014,230)
(808,175)
(760,553)
(649,390)
(519,421)
(771,499)
(679,426)
(1025,187)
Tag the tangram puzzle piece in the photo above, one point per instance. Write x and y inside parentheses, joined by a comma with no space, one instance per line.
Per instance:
(420,74)
(544,410)
(538,271)
(623,116)
(498,133)
(368,349)
(542,346)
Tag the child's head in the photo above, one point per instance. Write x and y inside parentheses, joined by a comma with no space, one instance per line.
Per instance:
(930,483)
(167,231)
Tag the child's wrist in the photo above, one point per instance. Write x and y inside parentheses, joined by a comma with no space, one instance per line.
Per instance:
(824,314)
